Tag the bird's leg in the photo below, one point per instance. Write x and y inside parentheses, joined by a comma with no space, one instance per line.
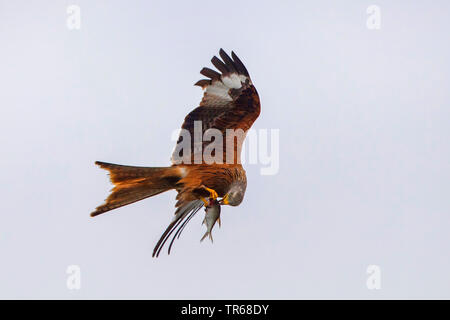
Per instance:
(206,202)
(212,193)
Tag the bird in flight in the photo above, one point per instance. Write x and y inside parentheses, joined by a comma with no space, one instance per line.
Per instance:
(229,106)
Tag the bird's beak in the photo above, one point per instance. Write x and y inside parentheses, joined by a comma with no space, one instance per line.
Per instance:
(224,200)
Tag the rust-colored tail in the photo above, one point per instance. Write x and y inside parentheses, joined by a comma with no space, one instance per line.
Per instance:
(132,184)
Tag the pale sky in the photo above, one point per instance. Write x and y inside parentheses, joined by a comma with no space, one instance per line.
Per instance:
(363,119)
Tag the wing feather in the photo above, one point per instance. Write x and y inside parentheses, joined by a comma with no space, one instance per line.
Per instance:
(203,83)
(230,101)
(240,66)
(213,75)
(228,61)
(220,65)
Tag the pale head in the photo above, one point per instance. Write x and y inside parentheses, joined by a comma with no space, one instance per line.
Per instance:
(235,194)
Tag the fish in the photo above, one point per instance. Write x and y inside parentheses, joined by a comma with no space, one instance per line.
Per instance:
(212,214)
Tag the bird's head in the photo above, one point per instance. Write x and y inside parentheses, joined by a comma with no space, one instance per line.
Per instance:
(234,196)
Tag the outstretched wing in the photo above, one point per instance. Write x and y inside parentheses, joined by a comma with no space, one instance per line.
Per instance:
(230,101)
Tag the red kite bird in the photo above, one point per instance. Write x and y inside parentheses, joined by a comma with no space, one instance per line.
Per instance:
(230,104)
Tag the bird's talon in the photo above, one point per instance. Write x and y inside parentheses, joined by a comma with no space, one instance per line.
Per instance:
(212,193)
(206,202)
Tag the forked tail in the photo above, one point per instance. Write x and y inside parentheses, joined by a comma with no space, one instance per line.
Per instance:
(132,184)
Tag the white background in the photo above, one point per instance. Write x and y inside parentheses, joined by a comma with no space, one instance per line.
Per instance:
(364,148)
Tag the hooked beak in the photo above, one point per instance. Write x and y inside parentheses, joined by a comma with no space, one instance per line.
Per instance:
(224,200)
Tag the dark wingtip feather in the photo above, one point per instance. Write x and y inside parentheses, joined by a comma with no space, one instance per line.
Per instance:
(228,61)
(203,83)
(229,65)
(209,73)
(240,66)
(220,65)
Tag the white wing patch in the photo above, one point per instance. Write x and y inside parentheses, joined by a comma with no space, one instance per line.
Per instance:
(232,81)
(221,88)
(218,93)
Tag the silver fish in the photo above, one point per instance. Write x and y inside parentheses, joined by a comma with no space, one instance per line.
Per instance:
(212,214)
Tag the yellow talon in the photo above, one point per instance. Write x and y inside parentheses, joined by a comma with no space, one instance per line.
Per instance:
(212,193)
(204,201)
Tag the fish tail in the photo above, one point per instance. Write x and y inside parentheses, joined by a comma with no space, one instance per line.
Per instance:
(204,236)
